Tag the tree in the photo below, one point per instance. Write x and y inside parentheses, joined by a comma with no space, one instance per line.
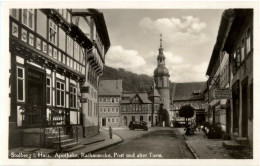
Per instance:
(186,111)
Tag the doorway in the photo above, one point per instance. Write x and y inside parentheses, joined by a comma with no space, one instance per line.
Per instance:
(244,110)
(35,100)
(125,121)
(104,121)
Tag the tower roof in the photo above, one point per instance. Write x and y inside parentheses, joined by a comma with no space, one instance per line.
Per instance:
(161,55)
(161,71)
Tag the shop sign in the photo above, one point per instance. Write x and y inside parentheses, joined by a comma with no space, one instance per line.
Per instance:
(84,89)
(224,93)
(83,100)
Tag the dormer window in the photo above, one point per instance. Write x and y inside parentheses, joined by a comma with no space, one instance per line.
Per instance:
(196,92)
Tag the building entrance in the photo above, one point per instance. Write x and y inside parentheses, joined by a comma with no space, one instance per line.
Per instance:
(35,101)
(103,121)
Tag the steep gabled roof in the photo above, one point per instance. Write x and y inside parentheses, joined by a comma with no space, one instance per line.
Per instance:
(144,97)
(189,91)
(110,87)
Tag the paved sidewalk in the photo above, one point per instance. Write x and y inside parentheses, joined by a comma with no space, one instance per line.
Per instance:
(204,148)
(92,144)
(102,141)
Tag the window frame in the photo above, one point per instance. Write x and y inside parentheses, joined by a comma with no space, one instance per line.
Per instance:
(69,45)
(54,27)
(73,94)
(48,86)
(16,15)
(17,80)
(28,11)
(61,90)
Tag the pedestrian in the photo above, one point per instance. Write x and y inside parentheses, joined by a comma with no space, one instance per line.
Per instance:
(110,132)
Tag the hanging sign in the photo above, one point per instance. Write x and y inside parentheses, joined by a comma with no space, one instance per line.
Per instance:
(223,93)
(83,100)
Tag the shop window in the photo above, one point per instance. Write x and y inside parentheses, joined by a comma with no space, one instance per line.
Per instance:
(28,18)
(60,94)
(52,32)
(14,13)
(73,97)
(48,91)
(20,84)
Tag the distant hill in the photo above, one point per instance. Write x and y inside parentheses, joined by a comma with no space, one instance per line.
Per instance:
(131,81)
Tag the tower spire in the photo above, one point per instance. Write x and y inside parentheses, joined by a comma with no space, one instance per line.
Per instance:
(160,40)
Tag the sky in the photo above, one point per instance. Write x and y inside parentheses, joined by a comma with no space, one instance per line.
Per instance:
(188,38)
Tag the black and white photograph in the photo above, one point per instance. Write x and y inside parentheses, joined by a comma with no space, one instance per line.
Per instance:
(90,83)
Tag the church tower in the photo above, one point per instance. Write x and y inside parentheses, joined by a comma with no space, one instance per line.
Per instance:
(161,79)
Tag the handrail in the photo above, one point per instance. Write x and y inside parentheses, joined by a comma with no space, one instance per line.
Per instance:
(56,120)
(41,121)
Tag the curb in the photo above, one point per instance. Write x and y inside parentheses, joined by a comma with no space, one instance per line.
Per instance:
(104,147)
(191,150)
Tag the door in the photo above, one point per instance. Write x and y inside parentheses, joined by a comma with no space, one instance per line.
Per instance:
(103,121)
(35,101)
(125,121)
(244,110)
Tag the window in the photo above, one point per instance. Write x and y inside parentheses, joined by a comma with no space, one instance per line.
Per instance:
(48,90)
(141,118)
(76,51)
(28,18)
(64,13)
(117,120)
(133,118)
(100,110)
(15,13)
(69,17)
(108,110)
(20,84)
(149,118)
(112,100)
(113,120)
(69,46)
(238,57)
(105,110)
(60,94)
(52,32)
(113,110)
(73,97)
(243,50)
(248,41)
(117,109)
(108,119)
